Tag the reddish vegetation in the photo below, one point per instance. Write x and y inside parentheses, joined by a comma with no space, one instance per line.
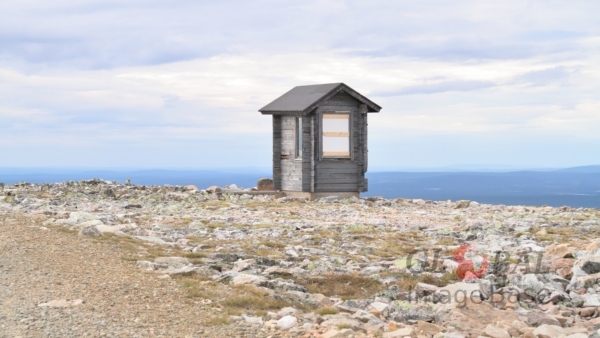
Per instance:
(466,268)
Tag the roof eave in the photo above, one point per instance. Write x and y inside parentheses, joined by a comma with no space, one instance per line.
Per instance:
(281,112)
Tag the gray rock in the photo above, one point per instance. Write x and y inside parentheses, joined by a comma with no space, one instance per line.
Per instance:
(591,265)
(146,265)
(172,262)
(365,317)
(371,270)
(279,284)
(591,299)
(535,318)
(89,231)
(424,289)
(486,288)
(244,278)
(528,283)
(153,239)
(462,204)
(408,312)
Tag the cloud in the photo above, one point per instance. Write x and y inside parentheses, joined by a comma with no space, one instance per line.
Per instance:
(553,75)
(183,80)
(439,87)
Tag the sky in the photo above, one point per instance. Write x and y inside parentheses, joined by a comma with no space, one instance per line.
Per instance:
(178,84)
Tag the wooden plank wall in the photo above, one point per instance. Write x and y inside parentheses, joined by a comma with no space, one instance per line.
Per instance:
(339,175)
(277,152)
(362,137)
(291,168)
(306,153)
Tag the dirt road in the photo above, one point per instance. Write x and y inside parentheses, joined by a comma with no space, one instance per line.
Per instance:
(40,265)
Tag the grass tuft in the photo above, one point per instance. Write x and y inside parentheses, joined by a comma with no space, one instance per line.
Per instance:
(327,310)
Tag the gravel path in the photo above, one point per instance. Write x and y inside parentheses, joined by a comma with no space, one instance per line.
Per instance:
(39,265)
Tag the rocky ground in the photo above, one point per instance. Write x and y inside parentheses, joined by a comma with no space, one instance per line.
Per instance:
(97,258)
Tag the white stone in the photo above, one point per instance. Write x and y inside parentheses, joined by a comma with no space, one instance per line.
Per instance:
(287,323)
(591,300)
(459,290)
(244,278)
(292,253)
(406,331)
(377,306)
(253,320)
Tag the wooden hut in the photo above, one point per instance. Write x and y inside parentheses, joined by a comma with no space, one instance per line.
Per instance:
(320,141)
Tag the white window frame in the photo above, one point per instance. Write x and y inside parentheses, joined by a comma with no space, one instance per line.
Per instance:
(321,132)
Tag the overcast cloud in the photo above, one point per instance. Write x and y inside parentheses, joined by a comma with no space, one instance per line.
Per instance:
(178,84)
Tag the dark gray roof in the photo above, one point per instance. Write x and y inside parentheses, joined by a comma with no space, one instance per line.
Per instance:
(303,99)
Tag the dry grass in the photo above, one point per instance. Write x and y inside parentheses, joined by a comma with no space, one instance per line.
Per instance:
(446,241)
(562,235)
(272,244)
(218,319)
(398,244)
(250,298)
(233,300)
(408,282)
(345,286)
(326,310)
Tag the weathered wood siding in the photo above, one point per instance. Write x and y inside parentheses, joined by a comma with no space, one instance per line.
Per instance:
(276,152)
(291,168)
(307,153)
(339,175)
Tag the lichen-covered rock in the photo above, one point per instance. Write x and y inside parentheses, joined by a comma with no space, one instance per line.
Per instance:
(89,231)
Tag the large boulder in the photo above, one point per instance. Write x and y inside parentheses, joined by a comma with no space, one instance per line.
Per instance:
(264,184)
(89,231)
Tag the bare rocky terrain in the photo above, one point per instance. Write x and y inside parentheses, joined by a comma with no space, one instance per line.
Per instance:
(97,258)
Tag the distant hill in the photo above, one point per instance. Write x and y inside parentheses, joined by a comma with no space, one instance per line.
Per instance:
(554,188)
(584,169)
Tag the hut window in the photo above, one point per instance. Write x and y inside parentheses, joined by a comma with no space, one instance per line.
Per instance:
(336,135)
(298,137)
